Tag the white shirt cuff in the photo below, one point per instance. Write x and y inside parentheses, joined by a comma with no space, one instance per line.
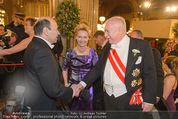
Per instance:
(73,93)
(149,103)
(158,97)
(83,84)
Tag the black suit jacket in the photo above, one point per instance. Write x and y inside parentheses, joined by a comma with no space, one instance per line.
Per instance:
(147,69)
(43,77)
(159,71)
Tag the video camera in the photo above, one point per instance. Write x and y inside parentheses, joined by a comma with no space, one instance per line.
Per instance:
(4,38)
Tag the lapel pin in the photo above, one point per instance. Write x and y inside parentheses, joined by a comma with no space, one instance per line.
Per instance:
(135,51)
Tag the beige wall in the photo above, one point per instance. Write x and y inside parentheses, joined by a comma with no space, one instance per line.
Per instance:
(155,28)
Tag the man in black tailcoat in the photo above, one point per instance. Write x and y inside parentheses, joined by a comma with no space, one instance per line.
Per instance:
(43,74)
(126,67)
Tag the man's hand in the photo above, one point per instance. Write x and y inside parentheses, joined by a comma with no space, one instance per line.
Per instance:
(146,107)
(76,90)
(80,87)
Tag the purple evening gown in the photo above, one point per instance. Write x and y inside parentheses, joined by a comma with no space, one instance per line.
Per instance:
(80,65)
(170,100)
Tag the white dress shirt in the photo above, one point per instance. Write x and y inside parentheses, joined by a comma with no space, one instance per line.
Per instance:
(50,45)
(113,85)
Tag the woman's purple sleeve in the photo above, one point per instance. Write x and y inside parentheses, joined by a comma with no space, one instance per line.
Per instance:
(67,61)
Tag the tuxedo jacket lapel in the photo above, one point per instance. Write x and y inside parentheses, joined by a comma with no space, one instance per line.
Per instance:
(131,58)
(44,44)
(106,51)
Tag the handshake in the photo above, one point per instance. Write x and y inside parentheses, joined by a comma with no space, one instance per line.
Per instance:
(81,92)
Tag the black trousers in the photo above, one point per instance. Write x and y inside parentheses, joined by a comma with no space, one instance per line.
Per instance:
(119,108)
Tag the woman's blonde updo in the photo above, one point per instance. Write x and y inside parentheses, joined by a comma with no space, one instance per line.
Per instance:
(82,27)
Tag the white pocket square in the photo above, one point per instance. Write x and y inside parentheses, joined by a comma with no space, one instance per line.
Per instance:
(139,60)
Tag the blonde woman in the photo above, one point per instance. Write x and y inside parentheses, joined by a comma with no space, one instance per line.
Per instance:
(170,81)
(81,59)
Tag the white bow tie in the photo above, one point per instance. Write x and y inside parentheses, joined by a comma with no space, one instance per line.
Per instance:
(115,46)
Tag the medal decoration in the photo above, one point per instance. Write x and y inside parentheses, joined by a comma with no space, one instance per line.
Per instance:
(136,72)
(139,60)
(139,82)
(134,83)
(136,98)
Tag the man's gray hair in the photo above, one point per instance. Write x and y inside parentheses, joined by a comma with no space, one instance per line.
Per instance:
(118,20)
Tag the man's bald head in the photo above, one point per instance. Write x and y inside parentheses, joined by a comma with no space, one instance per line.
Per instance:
(136,34)
(47,28)
(118,22)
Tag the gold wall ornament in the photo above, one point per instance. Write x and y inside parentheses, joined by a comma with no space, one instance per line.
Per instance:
(21,5)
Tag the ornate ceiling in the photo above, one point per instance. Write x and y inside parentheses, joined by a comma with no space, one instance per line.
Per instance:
(135,10)
(110,8)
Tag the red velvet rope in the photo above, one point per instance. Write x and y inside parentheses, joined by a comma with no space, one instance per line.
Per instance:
(11,64)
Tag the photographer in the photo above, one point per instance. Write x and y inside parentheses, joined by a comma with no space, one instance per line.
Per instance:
(8,40)
(11,73)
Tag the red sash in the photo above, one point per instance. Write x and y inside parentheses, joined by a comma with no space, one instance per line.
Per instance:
(119,62)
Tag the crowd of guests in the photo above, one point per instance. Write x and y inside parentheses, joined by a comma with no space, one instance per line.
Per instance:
(124,74)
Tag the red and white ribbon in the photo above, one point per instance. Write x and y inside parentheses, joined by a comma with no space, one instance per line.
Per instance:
(136,98)
(116,67)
